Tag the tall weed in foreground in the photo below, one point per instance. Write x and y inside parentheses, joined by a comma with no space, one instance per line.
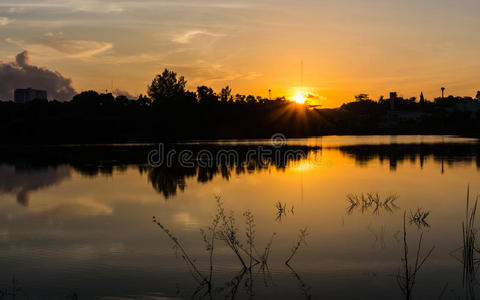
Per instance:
(470,250)
(407,274)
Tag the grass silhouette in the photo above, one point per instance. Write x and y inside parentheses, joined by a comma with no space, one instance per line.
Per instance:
(407,274)
(224,228)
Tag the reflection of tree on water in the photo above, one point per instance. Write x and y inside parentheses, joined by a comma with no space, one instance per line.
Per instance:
(169,180)
(448,153)
(105,160)
(44,166)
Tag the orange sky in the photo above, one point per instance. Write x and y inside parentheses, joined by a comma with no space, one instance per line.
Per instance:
(347,46)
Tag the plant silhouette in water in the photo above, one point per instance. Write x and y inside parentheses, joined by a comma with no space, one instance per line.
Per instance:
(250,234)
(228,233)
(13,291)
(179,248)
(407,274)
(266,252)
(209,240)
(301,239)
(282,211)
(224,228)
(378,236)
(470,250)
(419,218)
(371,203)
(304,287)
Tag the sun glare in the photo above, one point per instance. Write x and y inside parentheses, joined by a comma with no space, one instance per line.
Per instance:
(299,97)
(302,166)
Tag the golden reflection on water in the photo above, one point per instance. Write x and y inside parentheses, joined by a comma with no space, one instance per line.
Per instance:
(89,218)
(317,190)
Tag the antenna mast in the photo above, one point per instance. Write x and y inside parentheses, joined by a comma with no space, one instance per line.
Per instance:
(301,75)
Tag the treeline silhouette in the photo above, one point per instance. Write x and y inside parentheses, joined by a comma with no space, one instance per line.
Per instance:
(171,112)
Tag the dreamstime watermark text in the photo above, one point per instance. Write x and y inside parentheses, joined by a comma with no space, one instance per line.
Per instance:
(275,152)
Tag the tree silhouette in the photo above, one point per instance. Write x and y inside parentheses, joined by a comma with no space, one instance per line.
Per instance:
(92,99)
(122,100)
(144,100)
(86,98)
(206,95)
(422,99)
(167,88)
(251,99)
(226,95)
(174,113)
(361,97)
(239,98)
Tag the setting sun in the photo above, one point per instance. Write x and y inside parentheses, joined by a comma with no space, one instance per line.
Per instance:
(299,97)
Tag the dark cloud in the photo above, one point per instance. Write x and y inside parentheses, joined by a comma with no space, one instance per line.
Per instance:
(21,74)
(312,96)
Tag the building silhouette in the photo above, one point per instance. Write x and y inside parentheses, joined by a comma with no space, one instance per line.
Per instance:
(27,95)
(393,98)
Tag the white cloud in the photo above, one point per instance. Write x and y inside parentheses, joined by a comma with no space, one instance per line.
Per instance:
(5,21)
(95,6)
(14,10)
(102,6)
(67,47)
(201,72)
(187,37)
(252,76)
(74,48)
(84,5)
(132,59)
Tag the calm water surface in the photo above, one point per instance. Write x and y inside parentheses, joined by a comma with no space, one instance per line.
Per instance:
(70,227)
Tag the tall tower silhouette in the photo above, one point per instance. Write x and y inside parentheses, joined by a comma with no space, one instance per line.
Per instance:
(301,75)
(443,92)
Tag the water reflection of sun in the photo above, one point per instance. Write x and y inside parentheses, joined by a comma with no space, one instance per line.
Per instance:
(304,165)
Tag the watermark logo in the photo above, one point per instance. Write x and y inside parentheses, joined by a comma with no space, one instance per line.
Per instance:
(278,140)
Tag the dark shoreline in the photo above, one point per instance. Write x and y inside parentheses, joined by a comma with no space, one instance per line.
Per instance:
(55,123)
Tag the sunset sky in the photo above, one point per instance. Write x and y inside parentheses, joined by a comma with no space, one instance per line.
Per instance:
(347,46)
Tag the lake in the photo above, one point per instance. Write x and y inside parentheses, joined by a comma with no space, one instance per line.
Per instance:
(77,220)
